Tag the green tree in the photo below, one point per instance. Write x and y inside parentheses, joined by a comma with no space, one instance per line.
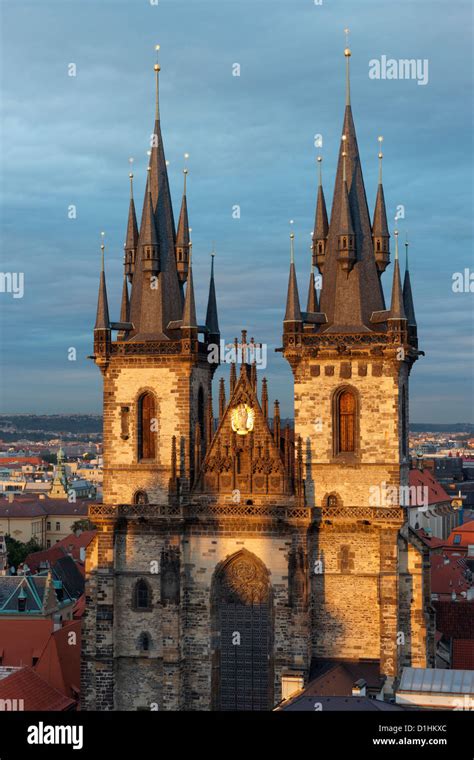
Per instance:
(82,525)
(17,551)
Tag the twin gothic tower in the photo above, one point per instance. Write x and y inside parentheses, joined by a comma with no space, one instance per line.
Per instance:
(232,553)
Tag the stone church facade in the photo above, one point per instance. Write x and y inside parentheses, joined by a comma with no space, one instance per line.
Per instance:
(231,553)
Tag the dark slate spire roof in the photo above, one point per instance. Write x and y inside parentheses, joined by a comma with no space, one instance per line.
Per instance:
(125,304)
(349,298)
(212,322)
(152,309)
(345,220)
(312,295)
(131,238)
(407,294)
(380,226)
(182,235)
(102,321)
(397,310)
(293,310)
(321,225)
(148,233)
(189,311)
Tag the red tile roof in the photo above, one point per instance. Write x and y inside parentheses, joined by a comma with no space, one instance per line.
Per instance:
(466,531)
(35,691)
(463,654)
(21,460)
(448,574)
(33,506)
(60,662)
(425,479)
(72,544)
(22,639)
(455,619)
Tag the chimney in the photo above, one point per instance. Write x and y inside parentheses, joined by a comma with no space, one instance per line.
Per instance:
(359,689)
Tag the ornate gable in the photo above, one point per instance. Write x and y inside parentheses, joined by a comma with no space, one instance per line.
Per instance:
(244,459)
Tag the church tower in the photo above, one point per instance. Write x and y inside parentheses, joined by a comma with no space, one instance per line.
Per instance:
(351,359)
(233,551)
(157,388)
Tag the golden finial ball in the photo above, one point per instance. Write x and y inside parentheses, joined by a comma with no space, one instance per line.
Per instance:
(344,137)
(292,235)
(395,233)
(157,67)
(319,159)
(185,171)
(131,175)
(347,52)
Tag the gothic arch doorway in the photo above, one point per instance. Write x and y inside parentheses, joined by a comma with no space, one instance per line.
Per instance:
(242,634)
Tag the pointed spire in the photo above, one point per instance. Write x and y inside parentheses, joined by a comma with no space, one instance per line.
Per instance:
(189,312)
(347,53)
(345,223)
(182,235)
(157,69)
(124,306)
(321,225)
(397,310)
(407,293)
(222,404)
(212,322)
(233,371)
(312,306)
(380,233)
(209,421)
(351,290)
(102,321)
(152,309)
(264,403)
(276,423)
(131,237)
(293,310)
(148,233)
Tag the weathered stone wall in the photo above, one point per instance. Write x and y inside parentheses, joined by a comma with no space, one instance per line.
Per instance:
(345,619)
(174,385)
(376,384)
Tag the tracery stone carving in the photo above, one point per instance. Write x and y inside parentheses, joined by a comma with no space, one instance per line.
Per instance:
(243,580)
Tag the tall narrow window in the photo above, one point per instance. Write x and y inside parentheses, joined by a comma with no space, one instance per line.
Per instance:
(346,412)
(146,427)
(142,597)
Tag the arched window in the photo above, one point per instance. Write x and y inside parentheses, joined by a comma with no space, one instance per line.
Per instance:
(331,500)
(378,245)
(344,242)
(320,247)
(146,426)
(140,497)
(144,642)
(142,596)
(346,422)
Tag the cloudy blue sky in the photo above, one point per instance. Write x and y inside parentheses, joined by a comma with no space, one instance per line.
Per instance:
(66,140)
